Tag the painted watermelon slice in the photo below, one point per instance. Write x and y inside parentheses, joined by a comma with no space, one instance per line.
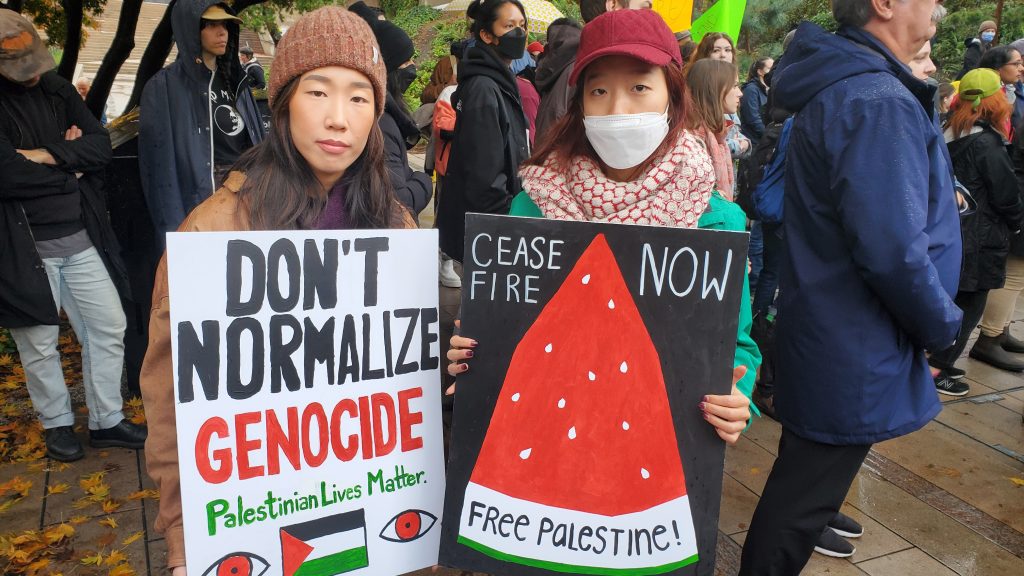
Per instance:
(582,435)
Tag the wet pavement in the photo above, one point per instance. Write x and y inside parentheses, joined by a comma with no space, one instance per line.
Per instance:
(948,499)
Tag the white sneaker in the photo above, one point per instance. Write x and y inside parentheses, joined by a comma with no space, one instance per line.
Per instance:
(449,279)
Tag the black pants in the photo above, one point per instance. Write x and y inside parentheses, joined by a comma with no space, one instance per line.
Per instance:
(771,263)
(973,305)
(804,491)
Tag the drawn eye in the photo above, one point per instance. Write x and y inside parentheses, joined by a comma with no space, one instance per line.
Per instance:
(238,564)
(408,526)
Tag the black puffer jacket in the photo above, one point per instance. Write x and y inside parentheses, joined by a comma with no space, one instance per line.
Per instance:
(1017,245)
(25,296)
(413,189)
(982,164)
(490,143)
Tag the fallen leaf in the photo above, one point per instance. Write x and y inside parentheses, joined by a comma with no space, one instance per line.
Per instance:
(76,520)
(109,521)
(133,538)
(59,488)
(95,560)
(1017,481)
(55,534)
(142,494)
(122,570)
(114,558)
(111,506)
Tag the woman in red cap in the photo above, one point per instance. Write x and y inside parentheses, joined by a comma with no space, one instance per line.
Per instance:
(622,154)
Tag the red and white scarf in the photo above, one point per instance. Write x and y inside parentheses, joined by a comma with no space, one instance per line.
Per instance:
(674,191)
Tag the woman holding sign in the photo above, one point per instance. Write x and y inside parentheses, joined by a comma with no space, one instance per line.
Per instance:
(622,154)
(321,167)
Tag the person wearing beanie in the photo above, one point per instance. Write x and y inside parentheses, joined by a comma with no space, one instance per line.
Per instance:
(977,131)
(196,116)
(58,251)
(490,139)
(322,167)
(412,188)
(976,47)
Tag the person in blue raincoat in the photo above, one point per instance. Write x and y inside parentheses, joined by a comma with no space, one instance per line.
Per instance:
(872,262)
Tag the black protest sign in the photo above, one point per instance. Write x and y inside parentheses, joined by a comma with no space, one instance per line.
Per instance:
(578,446)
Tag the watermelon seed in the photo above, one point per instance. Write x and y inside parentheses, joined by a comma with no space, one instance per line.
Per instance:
(586,279)
(548,348)
(592,376)
(525,453)
(625,425)
(572,433)
(515,397)
(644,473)
(611,304)
(561,403)
(623,367)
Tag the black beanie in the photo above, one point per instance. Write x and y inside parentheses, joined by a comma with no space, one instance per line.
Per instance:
(365,12)
(395,45)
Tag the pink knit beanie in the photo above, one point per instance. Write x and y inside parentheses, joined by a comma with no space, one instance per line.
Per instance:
(329,36)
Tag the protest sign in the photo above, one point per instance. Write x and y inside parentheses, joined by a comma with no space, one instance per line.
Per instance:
(578,446)
(306,373)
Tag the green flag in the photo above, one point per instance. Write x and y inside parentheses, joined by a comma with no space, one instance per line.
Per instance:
(725,16)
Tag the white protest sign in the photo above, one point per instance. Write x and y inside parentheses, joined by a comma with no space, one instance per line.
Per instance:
(306,373)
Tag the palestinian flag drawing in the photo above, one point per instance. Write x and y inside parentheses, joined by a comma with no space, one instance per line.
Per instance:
(582,437)
(325,546)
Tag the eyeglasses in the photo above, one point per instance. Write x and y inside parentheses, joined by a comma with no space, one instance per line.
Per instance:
(1015,63)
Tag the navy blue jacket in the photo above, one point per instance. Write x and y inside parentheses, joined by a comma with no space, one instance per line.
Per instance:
(755,97)
(873,246)
(175,141)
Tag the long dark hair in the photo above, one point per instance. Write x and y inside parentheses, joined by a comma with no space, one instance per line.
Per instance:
(567,139)
(484,14)
(756,67)
(281,192)
(996,58)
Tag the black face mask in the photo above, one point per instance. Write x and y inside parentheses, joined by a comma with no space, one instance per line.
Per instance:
(405,77)
(512,45)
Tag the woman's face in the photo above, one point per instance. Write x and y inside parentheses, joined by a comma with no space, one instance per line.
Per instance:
(331,115)
(1013,69)
(509,17)
(731,103)
(623,85)
(722,50)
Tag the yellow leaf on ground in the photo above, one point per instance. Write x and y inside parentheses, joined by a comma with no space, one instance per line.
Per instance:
(16,485)
(109,521)
(142,494)
(55,534)
(115,557)
(6,359)
(38,565)
(59,488)
(135,403)
(1017,481)
(132,539)
(121,570)
(79,519)
(111,506)
(95,560)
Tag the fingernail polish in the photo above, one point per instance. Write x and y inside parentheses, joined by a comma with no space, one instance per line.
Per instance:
(702,407)
(469,354)
(473,343)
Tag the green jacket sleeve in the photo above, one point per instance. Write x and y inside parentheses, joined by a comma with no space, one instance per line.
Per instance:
(724,215)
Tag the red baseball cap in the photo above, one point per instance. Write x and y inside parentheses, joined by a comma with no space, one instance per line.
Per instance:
(640,34)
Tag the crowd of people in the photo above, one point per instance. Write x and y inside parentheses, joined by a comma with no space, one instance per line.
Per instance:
(874,252)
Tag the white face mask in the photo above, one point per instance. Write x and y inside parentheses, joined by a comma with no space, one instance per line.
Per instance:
(625,140)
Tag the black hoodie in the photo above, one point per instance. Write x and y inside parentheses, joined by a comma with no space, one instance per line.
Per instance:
(553,73)
(175,142)
(490,142)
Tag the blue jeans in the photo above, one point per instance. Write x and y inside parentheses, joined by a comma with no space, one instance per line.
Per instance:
(81,286)
(754,254)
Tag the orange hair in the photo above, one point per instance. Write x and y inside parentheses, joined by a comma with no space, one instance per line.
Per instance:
(995,110)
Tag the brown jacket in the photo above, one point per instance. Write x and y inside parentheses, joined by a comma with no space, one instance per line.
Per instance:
(218,213)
